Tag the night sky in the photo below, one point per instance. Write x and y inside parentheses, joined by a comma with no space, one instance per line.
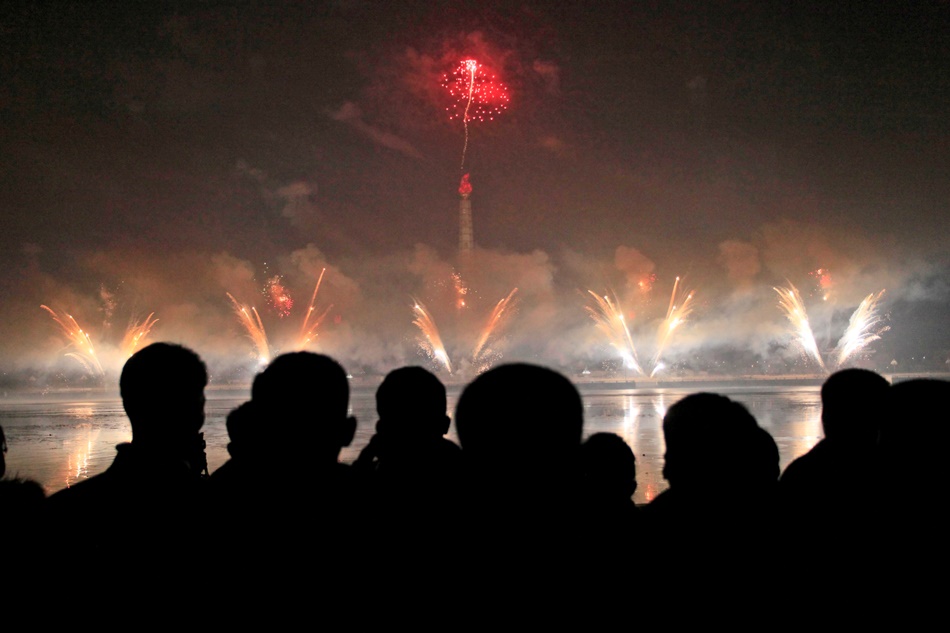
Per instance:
(157,157)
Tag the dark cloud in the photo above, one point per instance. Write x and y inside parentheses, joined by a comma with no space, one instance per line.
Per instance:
(349,113)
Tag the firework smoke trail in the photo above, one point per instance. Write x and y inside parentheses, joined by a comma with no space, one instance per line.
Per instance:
(135,334)
(482,95)
(790,301)
(864,327)
(108,305)
(251,321)
(85,353)
(308,331)
(492,325)
(430,341)
(610,321)
(676,314)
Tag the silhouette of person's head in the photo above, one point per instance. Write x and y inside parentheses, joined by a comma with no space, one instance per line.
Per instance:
(241,424)
(853,404)
(411,403)
(713,441)
(522,418)
(609,465)
(308,394)
(915,434)
(162,388)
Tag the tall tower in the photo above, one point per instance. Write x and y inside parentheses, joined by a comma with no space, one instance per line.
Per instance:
(466,239)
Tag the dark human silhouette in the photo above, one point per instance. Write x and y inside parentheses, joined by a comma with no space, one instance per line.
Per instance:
(409,461)
(901,575)
(295,425)
(719,509)
(913,440)
(140,519)
(412,475)
(283,503)
(21,522)
(520,428)
(609,479)
(830,496)
(240,425)
(914,476)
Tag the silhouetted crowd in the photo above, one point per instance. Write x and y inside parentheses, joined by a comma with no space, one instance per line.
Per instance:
(522,517)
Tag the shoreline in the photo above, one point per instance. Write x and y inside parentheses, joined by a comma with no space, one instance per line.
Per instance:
(362,383)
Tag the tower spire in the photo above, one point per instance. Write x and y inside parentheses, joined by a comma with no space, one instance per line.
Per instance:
(466,238)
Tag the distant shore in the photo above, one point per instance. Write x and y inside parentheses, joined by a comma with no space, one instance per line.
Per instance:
(707,382)
(584,383)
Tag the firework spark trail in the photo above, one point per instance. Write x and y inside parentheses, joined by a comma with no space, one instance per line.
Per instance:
(430,341)
(85,353)
(610,321)
(251,321)
(471,66)
(136,334)
(676,314)
(864,327)
(310,334)
(482,95)
(306,321)
(492,325)
(790,301)
(669,310)
(308,330)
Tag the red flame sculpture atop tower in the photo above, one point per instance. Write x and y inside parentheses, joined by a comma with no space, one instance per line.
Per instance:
(465,187)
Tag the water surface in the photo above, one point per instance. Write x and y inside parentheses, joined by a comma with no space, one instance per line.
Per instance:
(59,439)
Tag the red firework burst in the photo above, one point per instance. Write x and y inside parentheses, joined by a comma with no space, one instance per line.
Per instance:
(823,281)
(278,296)
(477,95)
